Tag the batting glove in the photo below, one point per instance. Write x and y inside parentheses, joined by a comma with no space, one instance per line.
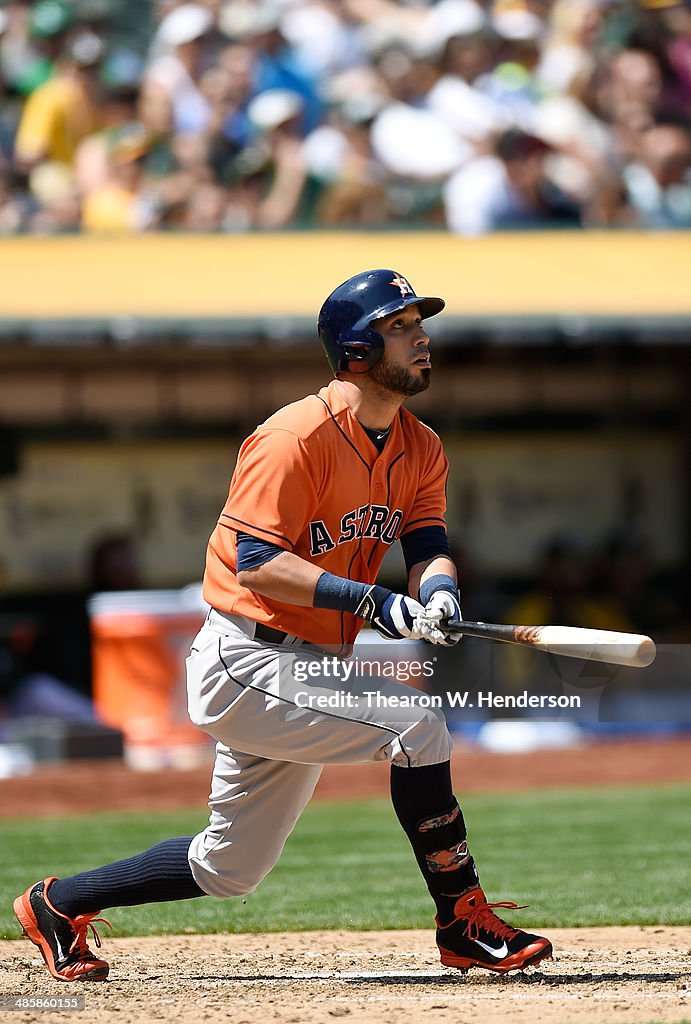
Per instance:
(392,615)
(443,606)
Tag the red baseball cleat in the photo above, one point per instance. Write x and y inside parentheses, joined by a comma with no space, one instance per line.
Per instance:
(61,939)
(478,938)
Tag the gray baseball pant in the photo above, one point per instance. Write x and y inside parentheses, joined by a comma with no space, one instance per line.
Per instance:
(270,750)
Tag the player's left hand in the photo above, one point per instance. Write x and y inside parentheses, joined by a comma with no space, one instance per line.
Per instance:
(393,616)
(443,606)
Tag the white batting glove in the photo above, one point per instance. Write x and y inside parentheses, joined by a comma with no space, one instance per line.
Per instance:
(393,616)
(442,606)
(397,619)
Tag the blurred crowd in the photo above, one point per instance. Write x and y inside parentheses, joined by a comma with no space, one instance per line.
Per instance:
(235,115)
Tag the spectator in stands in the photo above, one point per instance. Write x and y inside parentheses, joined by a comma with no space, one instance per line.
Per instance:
(28,683)
(113,563)
(584,158)
(36,36)
(340,157)
(570,44)
(276,65)
(663,29)
(562,594)
(171,82)
(658,183)
(323,37)
(675,21)
(512,83)
(228,88)
(629,95)
(512,189)
(205,209)
(406,71)
(92,159)
(467,51)
(65,109)
(116,204)
(276,116)
(15,46)
(625,585)
(635,87)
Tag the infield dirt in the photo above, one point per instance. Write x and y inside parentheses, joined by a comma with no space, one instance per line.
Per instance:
(598,976)
(633,975)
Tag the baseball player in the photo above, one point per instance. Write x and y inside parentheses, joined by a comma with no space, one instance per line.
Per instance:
(319,493)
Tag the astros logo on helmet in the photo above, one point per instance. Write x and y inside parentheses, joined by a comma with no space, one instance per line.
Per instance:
(401,283)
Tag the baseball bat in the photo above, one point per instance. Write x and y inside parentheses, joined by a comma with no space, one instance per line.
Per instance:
(630,649)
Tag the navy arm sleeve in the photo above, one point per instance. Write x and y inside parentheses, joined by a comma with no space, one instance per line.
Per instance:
(423,544)
(253,552)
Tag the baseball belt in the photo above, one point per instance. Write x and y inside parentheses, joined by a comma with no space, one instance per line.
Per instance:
(276,636)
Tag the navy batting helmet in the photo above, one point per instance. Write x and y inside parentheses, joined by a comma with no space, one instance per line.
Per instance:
(345,318)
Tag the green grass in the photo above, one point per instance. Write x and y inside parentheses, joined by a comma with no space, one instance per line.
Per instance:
(577,856)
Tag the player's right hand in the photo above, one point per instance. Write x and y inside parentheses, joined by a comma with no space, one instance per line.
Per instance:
(392,615)
(442,607)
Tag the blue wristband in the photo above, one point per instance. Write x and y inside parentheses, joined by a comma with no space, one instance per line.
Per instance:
(338,593)
(439,582)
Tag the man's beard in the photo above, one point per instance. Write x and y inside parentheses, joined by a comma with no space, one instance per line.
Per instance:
(398,379)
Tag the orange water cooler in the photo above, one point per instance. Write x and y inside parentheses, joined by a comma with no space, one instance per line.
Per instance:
(140,640)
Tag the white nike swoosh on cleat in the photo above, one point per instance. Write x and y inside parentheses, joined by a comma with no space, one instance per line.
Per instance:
(499,953)
(62,955)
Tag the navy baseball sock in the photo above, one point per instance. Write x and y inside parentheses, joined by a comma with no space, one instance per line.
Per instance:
(431,818)
(155,876)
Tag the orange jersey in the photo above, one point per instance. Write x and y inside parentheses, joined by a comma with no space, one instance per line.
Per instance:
(310,480)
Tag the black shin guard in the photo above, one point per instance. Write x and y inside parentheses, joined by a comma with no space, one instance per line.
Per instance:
(441,848)
(431,818)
